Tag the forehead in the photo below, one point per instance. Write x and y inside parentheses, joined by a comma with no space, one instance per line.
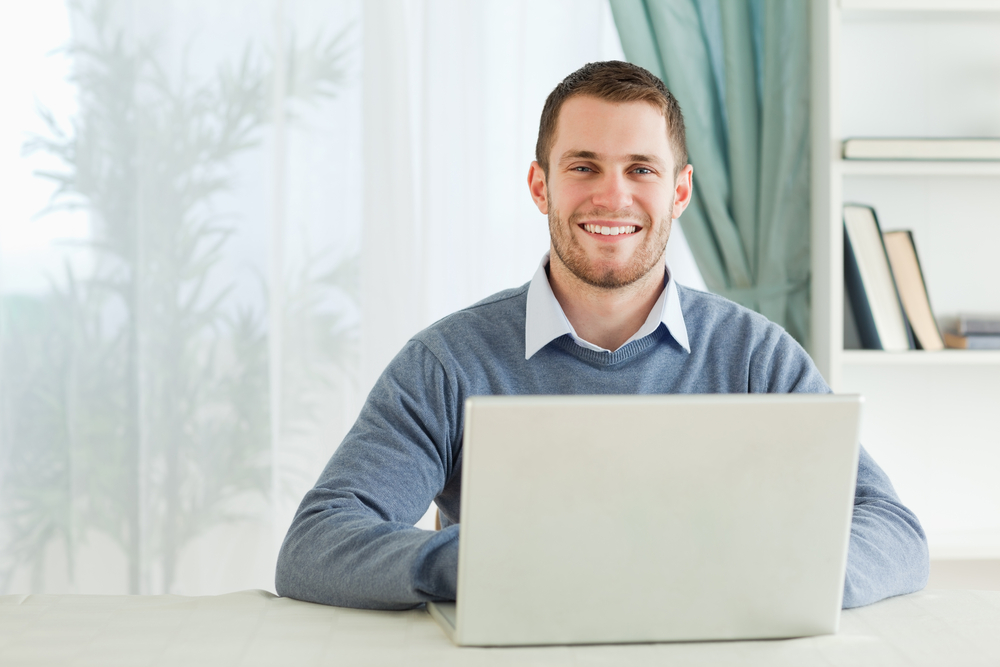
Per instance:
(594,125)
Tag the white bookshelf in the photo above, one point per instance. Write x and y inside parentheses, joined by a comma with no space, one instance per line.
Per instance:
(915,68)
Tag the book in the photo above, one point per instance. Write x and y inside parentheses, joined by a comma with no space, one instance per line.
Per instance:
(870,286)
(912,288)
(922,149)
(975,325)
(852,337)
(977,342)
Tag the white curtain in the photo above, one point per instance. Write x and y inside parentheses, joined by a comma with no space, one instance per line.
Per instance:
(221,219)
(453,95)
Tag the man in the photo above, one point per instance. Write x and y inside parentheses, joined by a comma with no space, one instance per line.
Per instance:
(601,315)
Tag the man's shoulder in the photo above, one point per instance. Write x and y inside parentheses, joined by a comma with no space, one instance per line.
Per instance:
(507,298)
(720,329)
(712,314)
(499,315)
(719,326)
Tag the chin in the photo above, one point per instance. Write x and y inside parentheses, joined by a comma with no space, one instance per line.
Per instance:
(612,278)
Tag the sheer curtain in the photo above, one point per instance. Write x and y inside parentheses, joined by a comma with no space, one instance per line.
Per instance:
(175,372)
(221,220)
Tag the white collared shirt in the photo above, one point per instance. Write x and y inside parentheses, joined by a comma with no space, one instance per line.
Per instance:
(545,320)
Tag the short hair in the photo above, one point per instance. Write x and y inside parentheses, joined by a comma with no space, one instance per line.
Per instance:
(617,82)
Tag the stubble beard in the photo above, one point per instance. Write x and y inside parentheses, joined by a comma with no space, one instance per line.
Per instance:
(572,255)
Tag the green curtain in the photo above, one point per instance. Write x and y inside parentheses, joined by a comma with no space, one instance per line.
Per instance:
(740,70)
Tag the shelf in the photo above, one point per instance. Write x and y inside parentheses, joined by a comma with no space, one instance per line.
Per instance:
(921,358)
(916,168)
(920,5)
(913,68)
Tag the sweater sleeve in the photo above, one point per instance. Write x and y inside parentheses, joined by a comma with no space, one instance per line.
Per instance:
(887,554)
(353,542)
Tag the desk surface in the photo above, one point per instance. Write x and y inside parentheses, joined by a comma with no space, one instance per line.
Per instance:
(257,628)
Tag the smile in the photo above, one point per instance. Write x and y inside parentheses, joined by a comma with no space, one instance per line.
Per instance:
(609,231)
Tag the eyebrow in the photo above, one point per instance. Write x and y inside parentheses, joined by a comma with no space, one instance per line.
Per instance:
(591,155)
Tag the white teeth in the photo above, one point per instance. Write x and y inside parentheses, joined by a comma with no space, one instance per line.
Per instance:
(609,231)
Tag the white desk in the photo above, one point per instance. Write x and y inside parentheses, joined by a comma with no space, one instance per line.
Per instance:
(257,628)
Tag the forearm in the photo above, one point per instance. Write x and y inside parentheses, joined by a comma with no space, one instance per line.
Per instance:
(887,554)
(337,555)
(888,550)
(353,542)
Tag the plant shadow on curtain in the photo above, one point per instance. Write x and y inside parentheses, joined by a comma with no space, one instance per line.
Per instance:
(164,396)
(740,70)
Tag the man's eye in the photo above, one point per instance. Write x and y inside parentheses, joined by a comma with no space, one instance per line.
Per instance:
(582,169)
(643,170)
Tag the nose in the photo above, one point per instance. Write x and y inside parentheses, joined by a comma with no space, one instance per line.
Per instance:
(613,192)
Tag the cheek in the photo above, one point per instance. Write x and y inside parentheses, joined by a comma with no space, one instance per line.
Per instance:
(657,207)
(569,196)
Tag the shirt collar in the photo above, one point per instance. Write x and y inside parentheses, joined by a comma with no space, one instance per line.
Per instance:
(545,320)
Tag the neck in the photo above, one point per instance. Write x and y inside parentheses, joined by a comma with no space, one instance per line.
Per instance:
(606,317)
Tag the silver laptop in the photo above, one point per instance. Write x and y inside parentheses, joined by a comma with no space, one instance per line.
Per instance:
(609,519)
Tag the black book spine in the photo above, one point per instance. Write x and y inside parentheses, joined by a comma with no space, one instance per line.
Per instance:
(859,298)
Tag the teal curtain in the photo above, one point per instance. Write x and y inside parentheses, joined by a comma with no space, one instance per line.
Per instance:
(740,70)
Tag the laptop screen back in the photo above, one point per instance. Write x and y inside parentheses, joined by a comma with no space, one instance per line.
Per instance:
(594,519)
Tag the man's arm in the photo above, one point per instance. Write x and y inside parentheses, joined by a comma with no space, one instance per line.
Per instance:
(887,554)
(352,542)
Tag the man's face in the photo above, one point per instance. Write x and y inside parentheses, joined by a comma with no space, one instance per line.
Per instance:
(610,193)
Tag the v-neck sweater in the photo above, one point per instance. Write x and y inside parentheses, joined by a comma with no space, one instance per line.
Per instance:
(353,541)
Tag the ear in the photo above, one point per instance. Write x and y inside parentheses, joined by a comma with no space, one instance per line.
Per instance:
(683,191)
(536,185)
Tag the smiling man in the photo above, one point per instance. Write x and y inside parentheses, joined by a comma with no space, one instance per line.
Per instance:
(601,316)
(612,182)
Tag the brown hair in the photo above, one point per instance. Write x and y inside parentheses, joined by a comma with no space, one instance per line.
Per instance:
(617,82)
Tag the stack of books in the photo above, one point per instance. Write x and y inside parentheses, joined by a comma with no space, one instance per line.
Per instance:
(887,293)
(883,279)
(975,332)
(885,286)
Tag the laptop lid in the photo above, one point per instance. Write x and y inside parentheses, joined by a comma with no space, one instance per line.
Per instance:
(606,519)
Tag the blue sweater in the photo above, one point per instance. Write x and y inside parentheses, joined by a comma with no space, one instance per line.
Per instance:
(353,541)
